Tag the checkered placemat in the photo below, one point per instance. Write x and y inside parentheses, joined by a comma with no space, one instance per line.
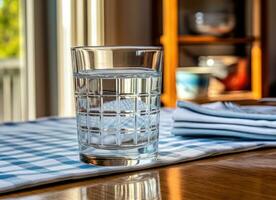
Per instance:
(46,151)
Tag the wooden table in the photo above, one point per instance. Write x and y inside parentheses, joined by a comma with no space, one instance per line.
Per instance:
(250,175)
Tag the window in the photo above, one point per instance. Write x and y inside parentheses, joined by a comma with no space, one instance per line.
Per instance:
(11,60)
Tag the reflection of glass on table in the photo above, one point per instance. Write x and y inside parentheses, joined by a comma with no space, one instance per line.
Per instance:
(140,186)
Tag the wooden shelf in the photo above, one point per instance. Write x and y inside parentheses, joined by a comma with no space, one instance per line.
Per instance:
(194,39)
(231,96)
(190,39)
(171,41)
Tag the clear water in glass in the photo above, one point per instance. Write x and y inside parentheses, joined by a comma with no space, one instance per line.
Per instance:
(118,115)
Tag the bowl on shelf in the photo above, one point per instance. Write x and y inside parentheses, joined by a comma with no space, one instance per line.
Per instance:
(221,65)
(211,23)
(231,71)
(192,82)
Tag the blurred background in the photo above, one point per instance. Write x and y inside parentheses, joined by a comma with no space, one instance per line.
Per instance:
(215,50)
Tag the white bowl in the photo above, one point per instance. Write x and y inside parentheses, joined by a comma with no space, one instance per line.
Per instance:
(212,23)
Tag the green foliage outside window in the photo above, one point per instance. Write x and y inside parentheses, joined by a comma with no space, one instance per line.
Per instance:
(9,29)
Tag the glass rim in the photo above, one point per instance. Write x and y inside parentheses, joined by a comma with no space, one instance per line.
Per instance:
(115,47)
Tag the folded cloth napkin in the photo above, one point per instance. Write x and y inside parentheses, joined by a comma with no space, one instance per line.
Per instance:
(225,119)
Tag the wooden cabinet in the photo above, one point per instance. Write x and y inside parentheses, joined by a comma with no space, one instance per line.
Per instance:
(172,40)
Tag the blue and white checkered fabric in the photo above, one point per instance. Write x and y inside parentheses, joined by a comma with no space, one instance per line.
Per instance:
(46,151)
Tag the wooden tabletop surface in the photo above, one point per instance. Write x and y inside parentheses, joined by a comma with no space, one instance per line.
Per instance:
(250,175)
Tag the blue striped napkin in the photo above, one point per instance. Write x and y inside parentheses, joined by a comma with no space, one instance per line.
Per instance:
(45,151)
(225,119)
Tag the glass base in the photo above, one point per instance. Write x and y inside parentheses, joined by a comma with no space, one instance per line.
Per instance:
(120,157)
(104,161)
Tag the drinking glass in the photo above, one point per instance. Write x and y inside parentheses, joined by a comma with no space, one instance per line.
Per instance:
(117,91)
